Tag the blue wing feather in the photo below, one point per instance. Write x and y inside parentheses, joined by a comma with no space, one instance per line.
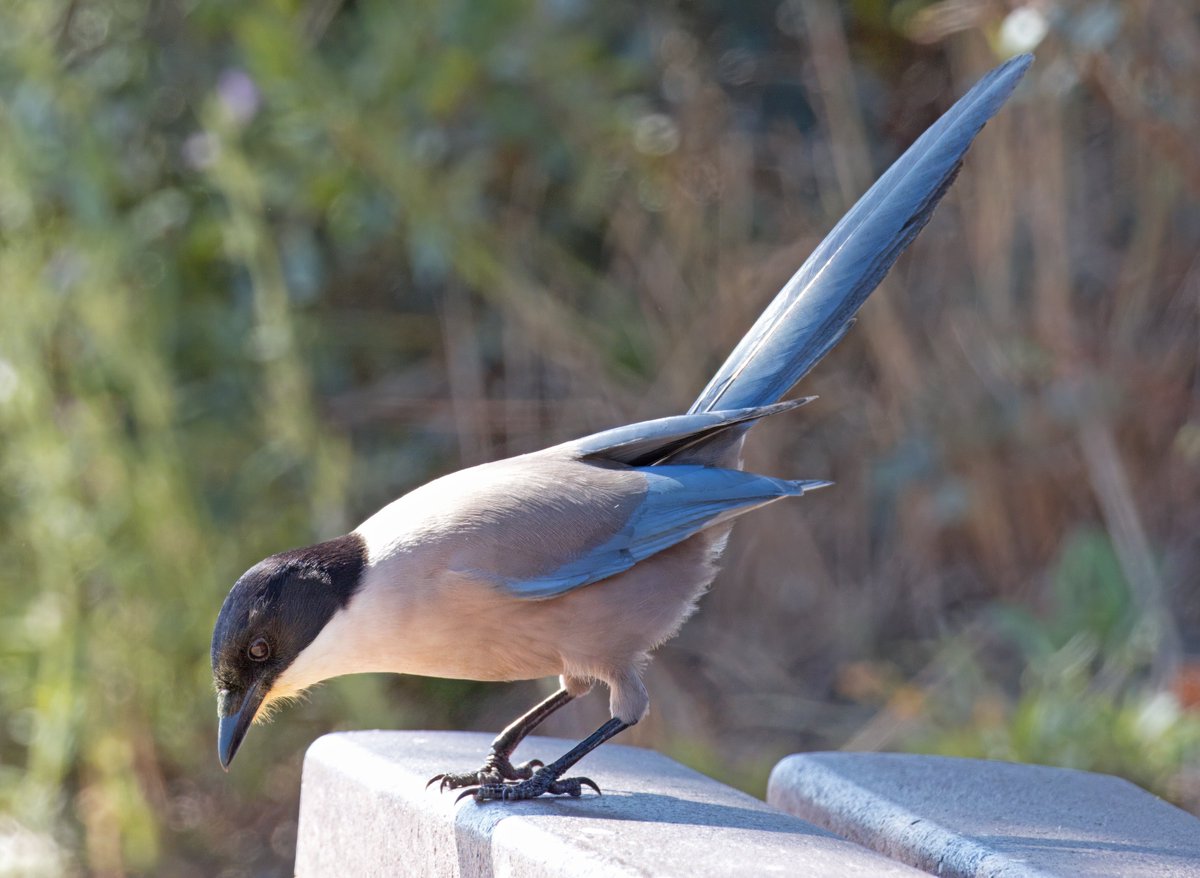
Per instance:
(679,501)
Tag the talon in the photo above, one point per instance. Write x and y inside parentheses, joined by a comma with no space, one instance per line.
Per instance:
(434,779)
(470,791)
(571,786)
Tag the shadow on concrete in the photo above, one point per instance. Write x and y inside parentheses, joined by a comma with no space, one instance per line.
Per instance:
(475,824)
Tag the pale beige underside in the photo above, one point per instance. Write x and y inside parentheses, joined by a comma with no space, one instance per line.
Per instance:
(431,603)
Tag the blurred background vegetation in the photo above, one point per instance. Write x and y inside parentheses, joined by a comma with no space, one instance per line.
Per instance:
(264,266)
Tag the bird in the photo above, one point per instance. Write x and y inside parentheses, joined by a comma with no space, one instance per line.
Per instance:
(578,560)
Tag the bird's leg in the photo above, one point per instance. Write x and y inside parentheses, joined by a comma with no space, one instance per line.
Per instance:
(549,778)
(498,767)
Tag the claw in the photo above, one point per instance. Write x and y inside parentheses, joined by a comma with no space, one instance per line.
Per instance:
(434,780)
(469,791)
(572,786)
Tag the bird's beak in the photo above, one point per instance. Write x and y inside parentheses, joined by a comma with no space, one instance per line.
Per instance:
(236,710)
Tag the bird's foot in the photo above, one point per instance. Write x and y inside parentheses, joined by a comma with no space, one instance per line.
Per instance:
(495,771)
(542,782)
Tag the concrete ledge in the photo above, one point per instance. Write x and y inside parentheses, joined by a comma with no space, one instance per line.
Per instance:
(969,817)
(364,810)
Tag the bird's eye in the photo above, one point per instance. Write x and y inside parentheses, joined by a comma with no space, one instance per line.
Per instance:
(259,650)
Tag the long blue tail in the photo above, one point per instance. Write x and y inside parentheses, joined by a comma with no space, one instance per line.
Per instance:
(816,307)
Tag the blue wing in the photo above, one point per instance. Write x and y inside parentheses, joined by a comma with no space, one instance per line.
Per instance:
(678,501)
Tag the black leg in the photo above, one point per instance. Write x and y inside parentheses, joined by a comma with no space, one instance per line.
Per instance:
(498,767)
(549,779)
(517,731)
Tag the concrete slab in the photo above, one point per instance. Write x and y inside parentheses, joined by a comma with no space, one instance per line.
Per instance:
(364,810)
(970,817)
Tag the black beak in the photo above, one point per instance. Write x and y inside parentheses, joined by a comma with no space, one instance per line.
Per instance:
(236,711)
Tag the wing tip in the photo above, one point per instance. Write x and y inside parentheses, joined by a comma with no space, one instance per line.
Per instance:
(813,485)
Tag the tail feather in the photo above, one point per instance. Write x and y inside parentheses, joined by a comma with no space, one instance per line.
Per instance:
(815,308)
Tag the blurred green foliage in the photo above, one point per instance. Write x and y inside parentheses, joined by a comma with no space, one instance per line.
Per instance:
(1080,700)
(266,265)
(180,187)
